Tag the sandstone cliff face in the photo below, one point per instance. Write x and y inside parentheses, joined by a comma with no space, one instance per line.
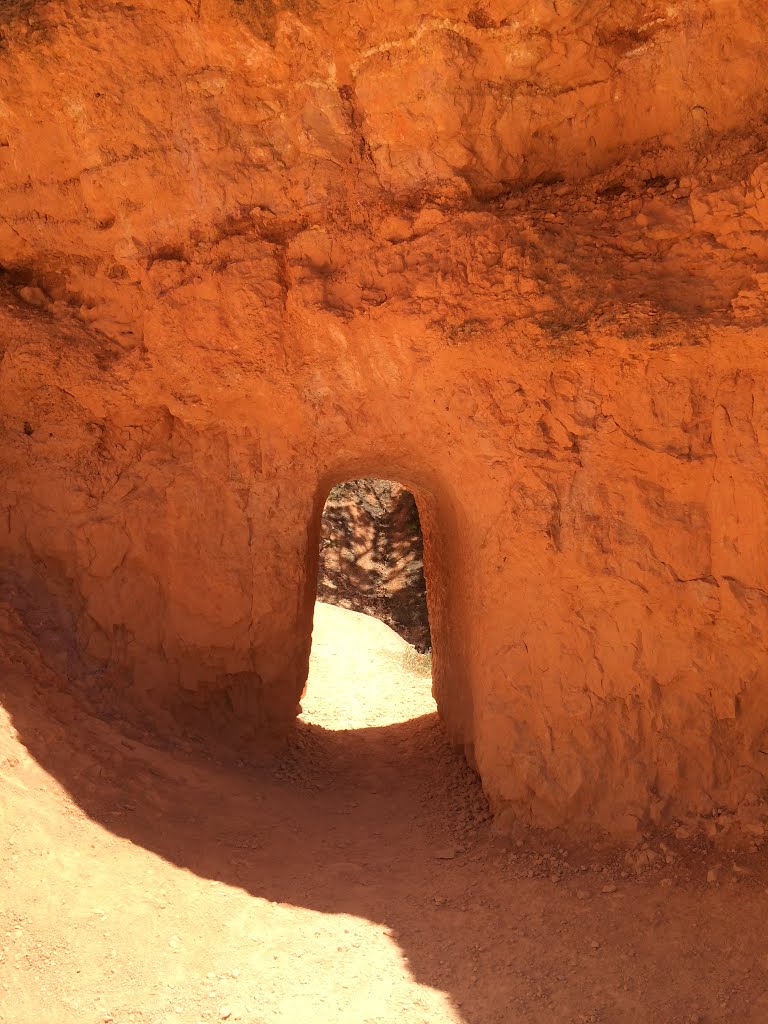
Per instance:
(372,556)
(512,255)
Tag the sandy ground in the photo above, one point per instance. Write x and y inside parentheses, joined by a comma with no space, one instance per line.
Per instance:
(355,881)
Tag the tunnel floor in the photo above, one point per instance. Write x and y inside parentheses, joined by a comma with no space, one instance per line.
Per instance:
(376,680)
(355,881)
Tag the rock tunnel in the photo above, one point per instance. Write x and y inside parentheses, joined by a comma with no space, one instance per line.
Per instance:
(446,614)
(240,266)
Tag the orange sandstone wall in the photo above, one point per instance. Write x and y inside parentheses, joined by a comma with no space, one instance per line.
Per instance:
(510,255)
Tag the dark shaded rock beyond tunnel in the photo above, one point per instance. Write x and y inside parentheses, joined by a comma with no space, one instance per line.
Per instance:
(371,556)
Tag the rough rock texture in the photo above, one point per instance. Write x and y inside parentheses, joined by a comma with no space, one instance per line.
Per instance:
(512,255)
(372,556)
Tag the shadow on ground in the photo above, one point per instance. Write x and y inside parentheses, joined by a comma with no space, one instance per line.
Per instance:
(389,825)
(331,827)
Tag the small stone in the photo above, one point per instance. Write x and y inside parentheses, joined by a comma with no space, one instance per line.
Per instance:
(224,1013)
(609,888)
(446,853)
(666,883)
(582,894)
(33,296)
(712,876)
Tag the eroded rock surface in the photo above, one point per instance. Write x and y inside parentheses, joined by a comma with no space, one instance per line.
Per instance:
(512,255)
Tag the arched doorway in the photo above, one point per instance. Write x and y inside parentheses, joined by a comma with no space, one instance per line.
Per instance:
(371,647)
(443,567)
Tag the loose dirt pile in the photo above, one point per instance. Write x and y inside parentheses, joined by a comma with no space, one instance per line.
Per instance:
(146,879)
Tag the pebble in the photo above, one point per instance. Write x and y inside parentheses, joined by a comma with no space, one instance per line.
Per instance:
(446,853)
(224,1013)
(685,832)
(609,888)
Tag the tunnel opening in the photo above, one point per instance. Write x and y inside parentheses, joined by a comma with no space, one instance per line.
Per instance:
(371,556)
(371,658)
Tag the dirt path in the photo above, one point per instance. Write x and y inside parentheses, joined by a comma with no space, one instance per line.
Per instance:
(357,881)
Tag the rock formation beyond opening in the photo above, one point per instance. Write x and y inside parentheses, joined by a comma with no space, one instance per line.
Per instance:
(372,556)
(514,255)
